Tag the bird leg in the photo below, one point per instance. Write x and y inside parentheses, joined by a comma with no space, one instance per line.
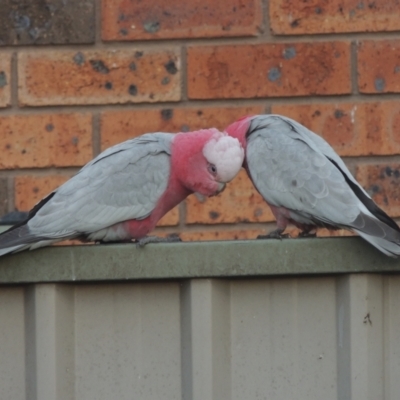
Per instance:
(276,234)
(156,239)
(282,221)
(307,231)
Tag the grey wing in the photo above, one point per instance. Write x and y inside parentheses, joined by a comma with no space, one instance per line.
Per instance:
(290,173)
(318,144)
(125,182)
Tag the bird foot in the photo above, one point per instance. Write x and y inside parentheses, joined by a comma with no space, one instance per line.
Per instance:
(276,234)
(155,239)
(305,234)
(113,242)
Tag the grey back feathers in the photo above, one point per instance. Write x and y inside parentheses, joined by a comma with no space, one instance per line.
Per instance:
(296,169)
(124,182)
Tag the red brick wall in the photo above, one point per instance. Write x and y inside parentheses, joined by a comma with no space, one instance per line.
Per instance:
(79,76)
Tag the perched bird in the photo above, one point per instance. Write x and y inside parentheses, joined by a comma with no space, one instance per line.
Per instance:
(123,192)
(306,183)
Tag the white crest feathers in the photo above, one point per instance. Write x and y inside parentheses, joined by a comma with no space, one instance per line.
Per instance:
(226,153)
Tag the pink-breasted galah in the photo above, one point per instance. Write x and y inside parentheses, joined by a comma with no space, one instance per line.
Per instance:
(122,193)
(307,184)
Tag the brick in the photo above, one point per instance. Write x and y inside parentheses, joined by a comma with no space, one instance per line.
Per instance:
(171,218)
(72,243)
(292,17)
(157,19)
(250,233)
(221,234)
(352,129)
(29,190)
(45,140)
(25,22)
(118,126)
(240,202)
(268,70)
(321,232)
(98,77)
(5,79)
(382,182)
(379,66)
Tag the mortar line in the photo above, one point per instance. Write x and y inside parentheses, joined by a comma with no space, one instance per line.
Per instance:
(266,21)
(354,68)
(14,83)
(97,23)
(184,75)
(96,134)
(211,103)
(211,41)
(10,193)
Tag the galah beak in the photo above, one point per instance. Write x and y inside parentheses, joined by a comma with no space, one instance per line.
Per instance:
(221,187)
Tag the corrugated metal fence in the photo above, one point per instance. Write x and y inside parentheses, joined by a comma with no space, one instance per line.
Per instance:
(334,336)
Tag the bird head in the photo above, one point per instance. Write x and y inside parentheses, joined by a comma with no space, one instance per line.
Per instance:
(239,129)
(206,160)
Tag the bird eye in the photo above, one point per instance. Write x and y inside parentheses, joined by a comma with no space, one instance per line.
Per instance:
(212,169)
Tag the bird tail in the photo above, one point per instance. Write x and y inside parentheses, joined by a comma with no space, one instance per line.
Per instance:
(384,235)
(18,238)
(12,249)
(386,247)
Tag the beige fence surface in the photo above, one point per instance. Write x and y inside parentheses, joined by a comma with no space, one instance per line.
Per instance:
(299,336)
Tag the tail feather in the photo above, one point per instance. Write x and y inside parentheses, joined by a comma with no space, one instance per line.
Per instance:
(17,238)
(381,235)
(16,235)
(389,248)
(13,249)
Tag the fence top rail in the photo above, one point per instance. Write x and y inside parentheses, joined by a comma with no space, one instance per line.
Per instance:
(121,262)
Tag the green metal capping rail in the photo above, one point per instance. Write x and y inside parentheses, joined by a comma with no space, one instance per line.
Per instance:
(117,262)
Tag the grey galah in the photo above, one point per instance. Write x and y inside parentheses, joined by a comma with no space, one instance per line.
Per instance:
(123,193)
(306,183)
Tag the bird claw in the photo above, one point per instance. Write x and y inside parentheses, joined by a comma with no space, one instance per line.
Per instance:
(112,242)
(140,243)
(277,234)
(305,234)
